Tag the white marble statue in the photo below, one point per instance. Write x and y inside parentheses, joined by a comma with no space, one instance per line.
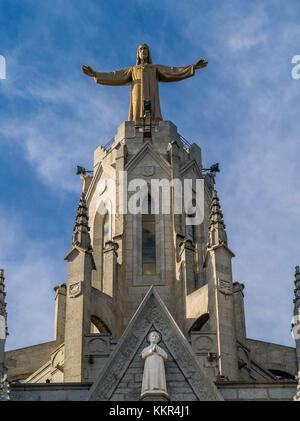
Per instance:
(154,377)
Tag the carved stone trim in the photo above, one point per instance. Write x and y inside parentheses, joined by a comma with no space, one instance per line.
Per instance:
(148,170)
(75,289)
(225,286)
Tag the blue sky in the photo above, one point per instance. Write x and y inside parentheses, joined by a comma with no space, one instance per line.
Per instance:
(242,110)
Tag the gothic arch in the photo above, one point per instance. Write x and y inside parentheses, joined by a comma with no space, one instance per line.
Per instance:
(103,211)
(107,310)
(199,323)
(99,325)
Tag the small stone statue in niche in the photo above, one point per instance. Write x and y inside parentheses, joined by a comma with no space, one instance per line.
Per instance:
(154,377)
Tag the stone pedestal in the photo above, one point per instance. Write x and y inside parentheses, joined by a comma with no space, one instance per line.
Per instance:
(157,396)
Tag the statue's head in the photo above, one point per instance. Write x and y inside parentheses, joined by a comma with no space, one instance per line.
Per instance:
(154,337)
(143,54)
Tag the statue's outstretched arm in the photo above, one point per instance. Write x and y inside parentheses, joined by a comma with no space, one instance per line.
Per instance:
(174,74)
(88,71)
(118,77)
(201,63)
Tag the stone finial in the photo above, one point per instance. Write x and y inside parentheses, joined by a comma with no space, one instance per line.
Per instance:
(217,233)
(81,237)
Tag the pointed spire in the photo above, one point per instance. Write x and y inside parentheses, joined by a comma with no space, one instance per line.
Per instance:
(4,380)
(81,237)
(296,316)
(217,233)
(297,287)
(2,294)
(296,301)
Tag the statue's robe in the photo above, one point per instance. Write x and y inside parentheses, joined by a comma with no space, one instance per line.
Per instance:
(154,376)
(144,80)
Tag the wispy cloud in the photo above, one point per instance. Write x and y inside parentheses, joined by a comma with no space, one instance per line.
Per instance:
(32,270)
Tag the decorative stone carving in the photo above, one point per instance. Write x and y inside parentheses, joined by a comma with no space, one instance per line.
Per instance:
(4,386)
(148,170)
(81,237)
(203,344)
(98,346)
(297,377)
(154,376)
(225,286)
(75,289)
(217,232)
(58,359)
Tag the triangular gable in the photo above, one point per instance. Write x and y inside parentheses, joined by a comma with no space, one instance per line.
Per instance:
(189,165)
(102,167)
(148,148)
(153,312)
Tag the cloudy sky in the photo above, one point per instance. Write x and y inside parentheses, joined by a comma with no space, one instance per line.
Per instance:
(242,110)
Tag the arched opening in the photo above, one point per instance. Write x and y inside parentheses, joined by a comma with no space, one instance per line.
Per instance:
(148,240)
(199,323)
(282,375)
(102,231)
(98,326)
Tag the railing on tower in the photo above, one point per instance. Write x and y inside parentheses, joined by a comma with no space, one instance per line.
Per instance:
(185,144)
(108,145)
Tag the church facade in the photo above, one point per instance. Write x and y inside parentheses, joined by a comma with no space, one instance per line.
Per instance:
(130,274)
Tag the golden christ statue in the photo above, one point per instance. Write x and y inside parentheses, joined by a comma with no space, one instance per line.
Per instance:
(144,78)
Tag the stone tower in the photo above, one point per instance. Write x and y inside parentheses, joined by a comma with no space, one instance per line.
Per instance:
(133,268)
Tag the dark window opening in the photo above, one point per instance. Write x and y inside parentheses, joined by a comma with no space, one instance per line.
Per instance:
(148,242)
